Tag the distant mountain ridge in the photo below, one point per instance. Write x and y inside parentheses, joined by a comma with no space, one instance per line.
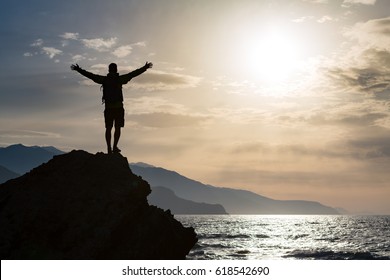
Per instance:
(21,159)
(6,174)
(234,201)
(167,199)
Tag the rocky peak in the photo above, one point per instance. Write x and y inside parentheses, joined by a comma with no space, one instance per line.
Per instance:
(84,206)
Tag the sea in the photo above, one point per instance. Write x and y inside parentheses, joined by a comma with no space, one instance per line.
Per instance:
(298,237)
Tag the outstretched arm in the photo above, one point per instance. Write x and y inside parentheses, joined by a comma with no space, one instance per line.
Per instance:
(137,72)
(96,78)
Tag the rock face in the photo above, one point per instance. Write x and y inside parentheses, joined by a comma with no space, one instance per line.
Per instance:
(84,206)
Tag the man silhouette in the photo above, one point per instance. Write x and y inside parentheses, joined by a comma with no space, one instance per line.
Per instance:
(114,113)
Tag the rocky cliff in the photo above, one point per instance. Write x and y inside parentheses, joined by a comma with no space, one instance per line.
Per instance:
(84,206)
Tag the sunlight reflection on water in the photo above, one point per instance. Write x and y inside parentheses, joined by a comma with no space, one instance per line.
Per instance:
(291,237)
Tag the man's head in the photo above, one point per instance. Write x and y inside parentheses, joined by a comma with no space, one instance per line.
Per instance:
(112,68)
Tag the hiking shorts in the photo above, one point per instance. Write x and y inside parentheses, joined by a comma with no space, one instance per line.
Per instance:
(114,116)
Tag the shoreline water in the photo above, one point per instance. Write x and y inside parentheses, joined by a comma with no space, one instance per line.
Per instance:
(275,237)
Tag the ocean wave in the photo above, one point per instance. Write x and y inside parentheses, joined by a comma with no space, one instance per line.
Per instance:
(240,254)
(262,236)
(217,246)
(243,252)
(332,239)
(232,236)
(332,255)
(223,236)
(298,236)
(243,236)
(197,253)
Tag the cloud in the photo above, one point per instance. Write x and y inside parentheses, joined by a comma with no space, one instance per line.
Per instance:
(157,112)
(146,105)
(125,50)
(241,115)
(317,1)
(99,44)
(355,159)
(349,119)
(140,44)
(37,43)
(160,80)
(70,36)
(365,65)
(87,82)
(51,52)
(374,146)
(27,134)
(302,19)
(100,66)
(373,33)
(77,44)
(78,57)
(364,2)
(122,51)
(288,150)
(324,19)
(166,120)
(370,152)
(364,80)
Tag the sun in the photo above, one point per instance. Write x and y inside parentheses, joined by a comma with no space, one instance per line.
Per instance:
(271,56)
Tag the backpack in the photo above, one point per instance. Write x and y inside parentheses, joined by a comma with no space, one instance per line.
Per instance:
(112,89)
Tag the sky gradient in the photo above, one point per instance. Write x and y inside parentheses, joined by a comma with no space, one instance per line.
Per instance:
(289,99)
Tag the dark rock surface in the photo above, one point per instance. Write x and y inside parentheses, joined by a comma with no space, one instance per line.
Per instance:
(84,206)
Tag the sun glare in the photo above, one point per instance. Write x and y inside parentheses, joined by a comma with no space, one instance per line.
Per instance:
(271,57)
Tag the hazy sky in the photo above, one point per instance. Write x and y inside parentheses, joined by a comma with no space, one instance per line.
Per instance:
(289,99)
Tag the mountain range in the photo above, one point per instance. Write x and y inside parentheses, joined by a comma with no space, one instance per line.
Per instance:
(235,201)
(6,174)
(171,190)
(21,159)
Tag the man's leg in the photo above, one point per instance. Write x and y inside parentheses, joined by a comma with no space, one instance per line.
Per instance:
(109,122)
(108,139)
(117,135)
(119,123)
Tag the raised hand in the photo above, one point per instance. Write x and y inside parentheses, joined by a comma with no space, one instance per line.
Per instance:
(75,67)
(148,65)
